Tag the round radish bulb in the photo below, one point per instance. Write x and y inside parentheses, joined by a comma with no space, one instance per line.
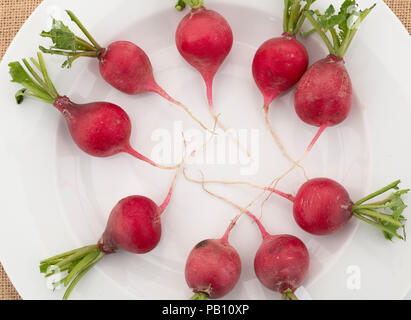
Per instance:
(124,65)
(204,39)
(324,94)
(100,129)
(212,269)
(134,225)
(127,68)
(279,63)
(281,263)
(323,97)
(322,206)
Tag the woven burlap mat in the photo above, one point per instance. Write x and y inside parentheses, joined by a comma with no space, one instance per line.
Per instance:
(13,13)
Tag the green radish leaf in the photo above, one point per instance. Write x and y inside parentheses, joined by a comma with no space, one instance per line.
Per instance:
(35,85)
(20,95)
(19,74)
(180,5)
(63,38)
(342,25)
(348,7)
(44,267)
(397,206)
(329,11)
(386,215)
(344,20)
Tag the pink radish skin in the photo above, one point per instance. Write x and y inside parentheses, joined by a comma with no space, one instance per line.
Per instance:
(278,65)
(322,206)
(281,263)
(213,268)
(134,225)
(324,94)
(127,68)
(204,39)
(122,64)
(100,129)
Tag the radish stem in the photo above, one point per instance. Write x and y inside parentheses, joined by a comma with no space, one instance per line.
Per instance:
(192,3)
(341,38)
(393,185)
(76,262)
(289,295)
(199,296)
(39,87)
(83,29)
(293,17)
(387,223)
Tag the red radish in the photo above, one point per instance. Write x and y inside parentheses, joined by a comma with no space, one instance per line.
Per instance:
(100,129)
(134,225)
(213,267)
(323,96)
(123,65)
(204,39)
(323,206)
(281,262)
(279,63)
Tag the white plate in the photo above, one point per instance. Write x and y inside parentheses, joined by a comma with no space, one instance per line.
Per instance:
(55,198)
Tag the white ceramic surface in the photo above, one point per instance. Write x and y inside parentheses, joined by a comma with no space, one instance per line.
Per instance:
(55,198)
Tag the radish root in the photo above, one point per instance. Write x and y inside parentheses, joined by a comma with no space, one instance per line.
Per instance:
(225,129)
(243,210)
(157,89)
(280,193)
(279,144)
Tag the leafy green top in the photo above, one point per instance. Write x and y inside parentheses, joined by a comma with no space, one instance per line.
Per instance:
(342,25)
(35,85)
(293,14)
(181,4)
(71,266)
(66,43)
(385,214)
